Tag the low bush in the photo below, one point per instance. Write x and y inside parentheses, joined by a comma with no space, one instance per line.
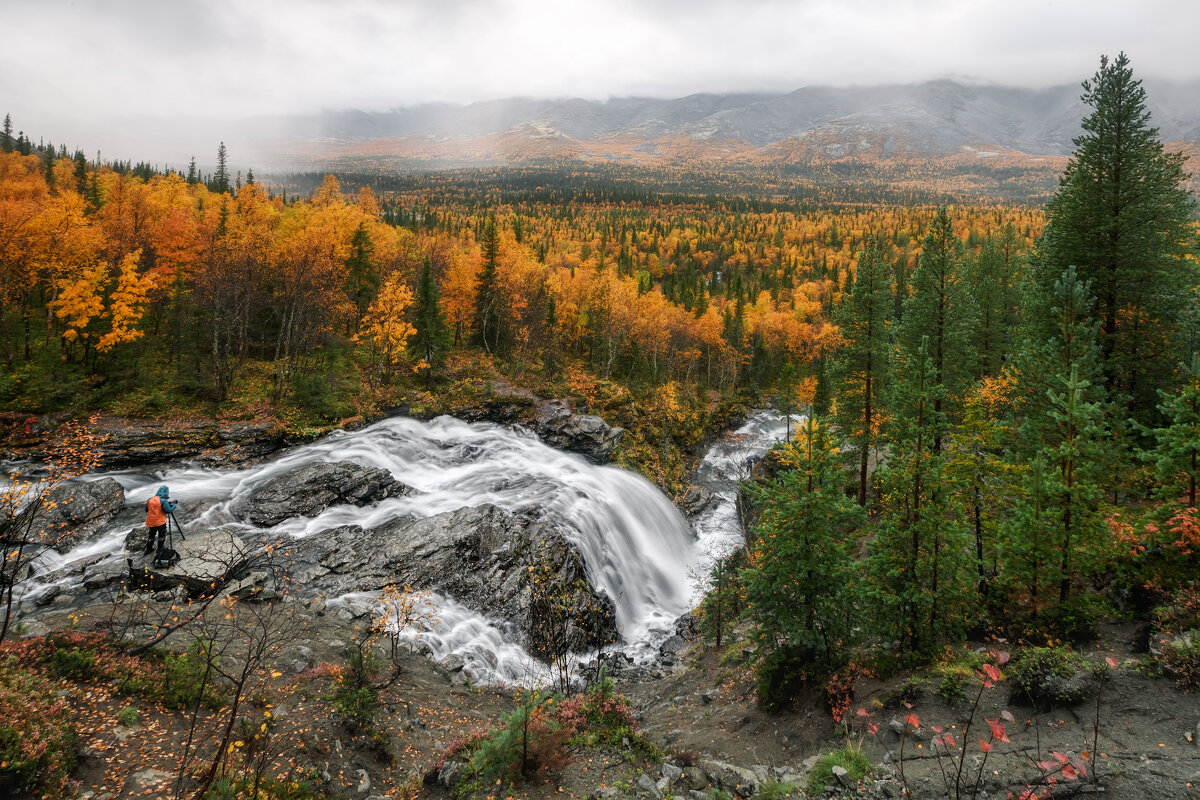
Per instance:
(37,742)
(1045,677)
(783,674)
(72,663)
(127,717)
(1181,612)
(1181,657)
(189,678)
(529,746)
(953,688)
(1075,620)
(603,717)
(353,695)
(907,691)
(850,758)
(264,789)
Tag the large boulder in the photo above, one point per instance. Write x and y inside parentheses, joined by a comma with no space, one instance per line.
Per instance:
(486,558)
(209,560)
(578,433)
(74,511)
(695,501)
(309,490)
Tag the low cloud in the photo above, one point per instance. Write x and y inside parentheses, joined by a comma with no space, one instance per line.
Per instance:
(64,62)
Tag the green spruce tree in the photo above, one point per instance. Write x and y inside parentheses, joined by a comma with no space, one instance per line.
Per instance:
(1122,216)
(490,305)
(362,277)
(1177,456)
(939,313)
(862,363)
(993,279)
(919,580)
(800,555)
(431,338)
(220,183)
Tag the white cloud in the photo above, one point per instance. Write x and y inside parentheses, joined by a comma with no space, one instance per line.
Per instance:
(63,60)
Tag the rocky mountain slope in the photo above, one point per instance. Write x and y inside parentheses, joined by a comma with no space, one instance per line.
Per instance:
(932,119)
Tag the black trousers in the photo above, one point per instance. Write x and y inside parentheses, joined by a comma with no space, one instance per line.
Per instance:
(159,532)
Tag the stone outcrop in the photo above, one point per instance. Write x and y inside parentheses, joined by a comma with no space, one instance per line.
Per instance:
(124,442)
(553,422)
(208,561)
(585,434)
(74,511)
(486,558)
(309,490)
(695,501)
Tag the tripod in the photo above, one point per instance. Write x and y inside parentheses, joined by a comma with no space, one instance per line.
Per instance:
(182,538)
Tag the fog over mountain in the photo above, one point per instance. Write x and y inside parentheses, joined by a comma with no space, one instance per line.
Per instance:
(929,119)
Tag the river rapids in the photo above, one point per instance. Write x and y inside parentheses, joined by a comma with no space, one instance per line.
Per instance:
(636,545)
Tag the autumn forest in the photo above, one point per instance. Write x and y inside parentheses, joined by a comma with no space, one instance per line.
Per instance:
(996,400)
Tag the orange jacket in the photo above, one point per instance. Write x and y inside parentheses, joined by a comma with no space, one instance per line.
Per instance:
(155,515)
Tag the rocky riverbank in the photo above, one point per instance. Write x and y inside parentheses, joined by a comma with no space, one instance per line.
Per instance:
(124,442)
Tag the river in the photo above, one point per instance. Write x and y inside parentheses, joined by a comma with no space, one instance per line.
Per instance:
(636,545)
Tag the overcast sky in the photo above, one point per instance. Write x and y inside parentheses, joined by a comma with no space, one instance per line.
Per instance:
(70,60)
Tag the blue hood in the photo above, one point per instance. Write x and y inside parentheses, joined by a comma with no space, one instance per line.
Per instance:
(162,492)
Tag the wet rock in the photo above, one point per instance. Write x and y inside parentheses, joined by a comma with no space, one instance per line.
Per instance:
(450,774)
(104,574)
(482,557)
(789,775)
(762,772)
(553,422)
(298,657)
(452,663)
(208,560)
(74,511)
(132,442)
(671,773)
(646,787)
(33,627)
(585,434)
(731,778)
(676,646)
(244,442)
(695,778)
(147,778)
(309,490)
(695,501)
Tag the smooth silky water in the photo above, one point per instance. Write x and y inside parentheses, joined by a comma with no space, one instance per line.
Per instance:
(636,545)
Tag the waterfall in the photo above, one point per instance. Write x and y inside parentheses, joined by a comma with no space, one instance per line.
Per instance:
(636,545)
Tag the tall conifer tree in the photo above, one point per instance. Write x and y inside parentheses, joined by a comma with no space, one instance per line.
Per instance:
(432,335)
(862,363)
(1122,217)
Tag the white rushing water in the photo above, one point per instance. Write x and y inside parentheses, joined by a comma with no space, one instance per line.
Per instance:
(636,545)
(724,466)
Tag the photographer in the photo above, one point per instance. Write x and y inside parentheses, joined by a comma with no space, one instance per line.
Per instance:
(157,509)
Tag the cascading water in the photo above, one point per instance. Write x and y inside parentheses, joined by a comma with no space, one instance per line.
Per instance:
(727,463)
(636,545)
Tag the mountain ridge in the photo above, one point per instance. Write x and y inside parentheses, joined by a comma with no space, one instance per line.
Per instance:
(932,119)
